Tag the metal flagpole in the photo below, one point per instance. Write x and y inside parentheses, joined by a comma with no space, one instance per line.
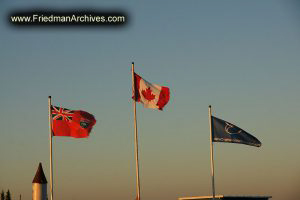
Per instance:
(135,138)
(212,168)
(50,138)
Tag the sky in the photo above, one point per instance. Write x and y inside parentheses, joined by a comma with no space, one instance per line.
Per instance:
(241,57)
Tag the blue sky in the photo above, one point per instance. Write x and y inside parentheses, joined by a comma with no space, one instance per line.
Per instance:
(242,57)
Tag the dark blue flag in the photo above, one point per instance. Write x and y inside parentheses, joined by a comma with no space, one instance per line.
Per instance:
(223,131)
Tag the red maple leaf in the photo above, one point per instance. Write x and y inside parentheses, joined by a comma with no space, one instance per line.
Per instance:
(148,94)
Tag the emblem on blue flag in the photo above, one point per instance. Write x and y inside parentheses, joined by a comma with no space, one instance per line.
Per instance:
(232,129)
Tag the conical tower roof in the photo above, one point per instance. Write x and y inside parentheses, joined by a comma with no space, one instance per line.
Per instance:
(40,176)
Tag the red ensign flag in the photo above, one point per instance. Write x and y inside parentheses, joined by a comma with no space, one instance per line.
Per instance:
(151,95)
(71,123)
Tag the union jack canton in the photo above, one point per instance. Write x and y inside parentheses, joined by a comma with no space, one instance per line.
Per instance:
(59,113)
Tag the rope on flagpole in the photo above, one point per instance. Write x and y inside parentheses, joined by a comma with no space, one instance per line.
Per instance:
(212,168)
(50,138)
(135,137)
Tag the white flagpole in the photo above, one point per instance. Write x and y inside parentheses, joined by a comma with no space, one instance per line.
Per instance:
(50,138)
(135,138)
(212,168)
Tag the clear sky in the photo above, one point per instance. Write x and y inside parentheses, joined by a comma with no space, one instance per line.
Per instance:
(242,57)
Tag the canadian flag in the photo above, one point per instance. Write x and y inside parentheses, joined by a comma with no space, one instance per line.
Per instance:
(151,95)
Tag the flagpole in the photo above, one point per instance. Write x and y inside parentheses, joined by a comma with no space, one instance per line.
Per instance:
(135,137)
(50,138)
(212,168)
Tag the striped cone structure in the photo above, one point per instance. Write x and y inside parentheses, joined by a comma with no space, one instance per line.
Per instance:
(39,185)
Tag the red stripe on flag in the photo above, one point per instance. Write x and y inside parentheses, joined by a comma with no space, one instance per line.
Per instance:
(136,95)
(164,97)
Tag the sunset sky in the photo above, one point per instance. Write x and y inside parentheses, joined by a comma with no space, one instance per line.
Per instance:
(241,57)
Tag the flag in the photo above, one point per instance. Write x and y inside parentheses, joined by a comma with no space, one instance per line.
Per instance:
(223,131)
(151,95)
(71,123)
